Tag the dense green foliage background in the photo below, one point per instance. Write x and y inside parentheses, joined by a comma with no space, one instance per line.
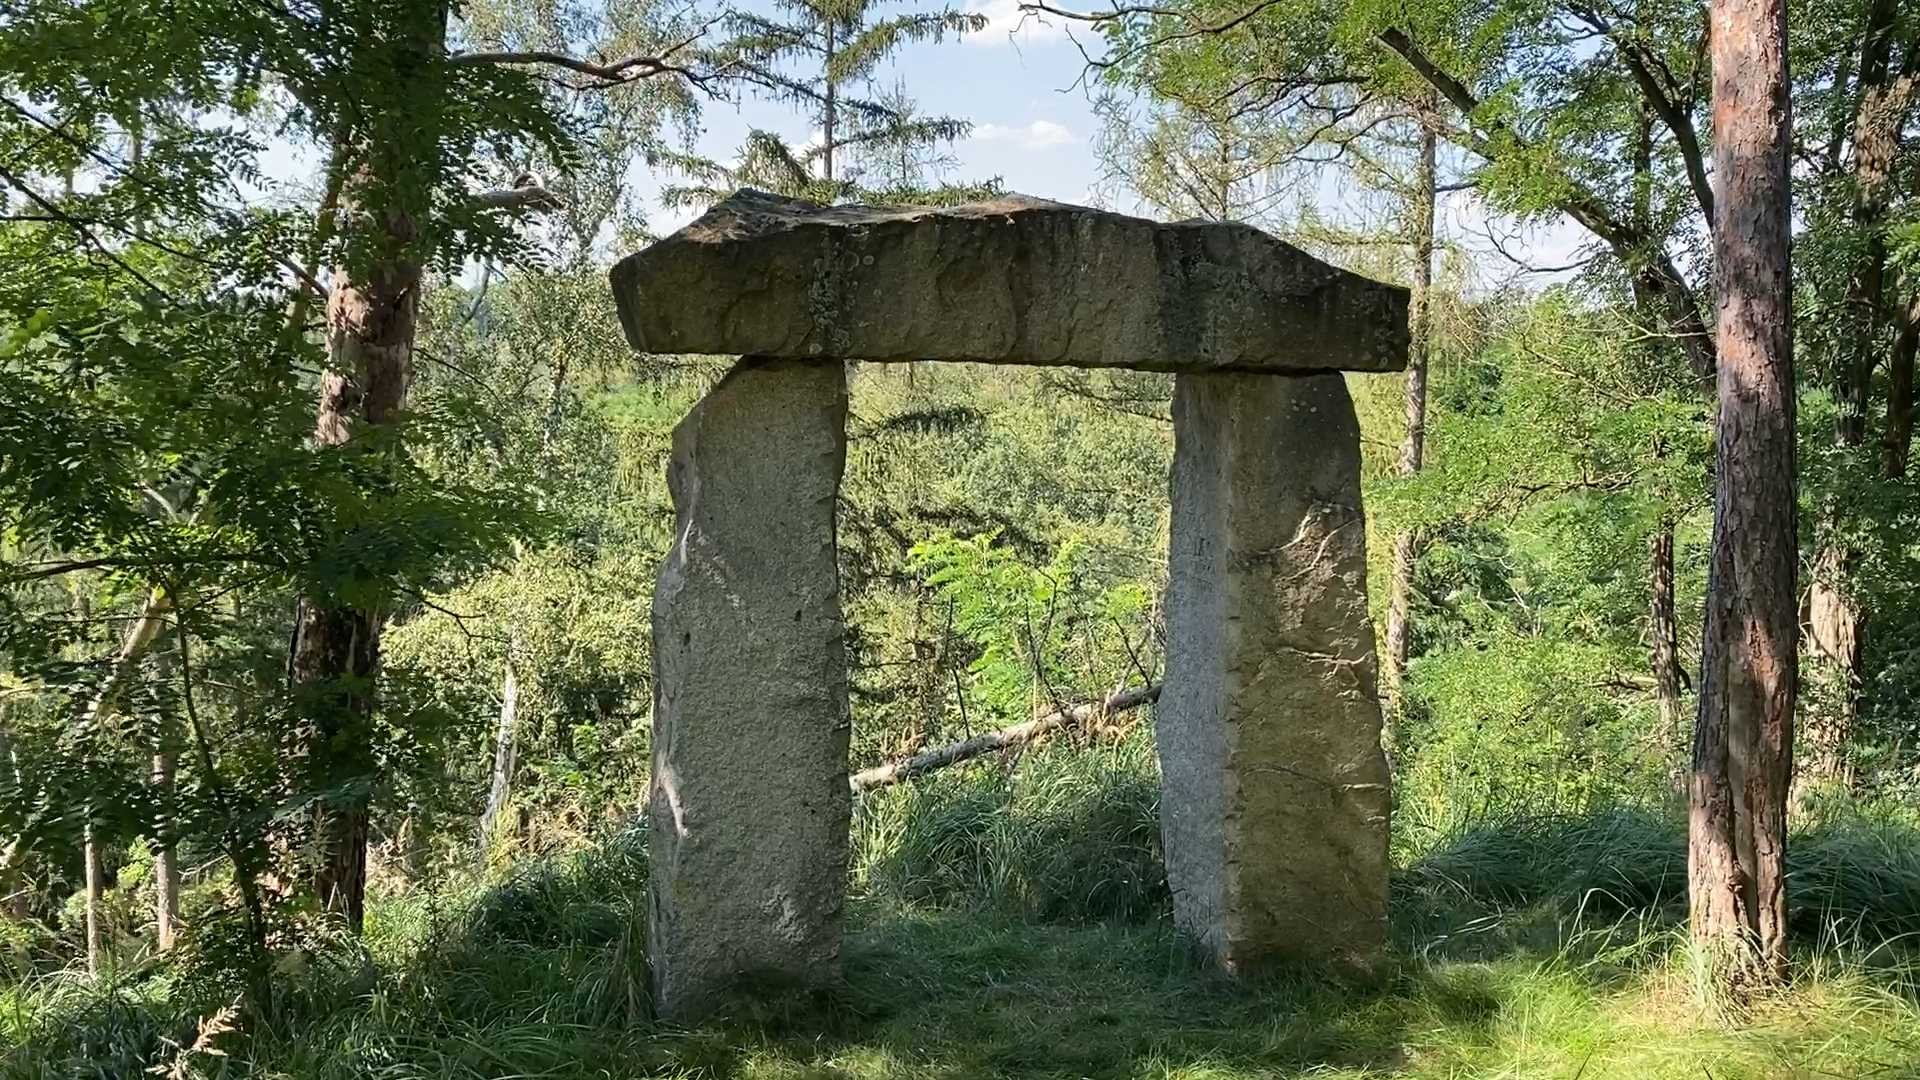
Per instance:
(1002,542)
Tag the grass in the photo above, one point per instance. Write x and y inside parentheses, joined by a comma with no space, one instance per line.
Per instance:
(1013,925)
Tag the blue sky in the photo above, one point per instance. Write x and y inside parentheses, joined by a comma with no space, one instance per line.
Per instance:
(1018,82)
(1014,81)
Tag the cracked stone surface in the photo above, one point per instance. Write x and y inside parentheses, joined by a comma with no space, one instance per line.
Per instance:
(748,804)
(1274,790)
(1015,280)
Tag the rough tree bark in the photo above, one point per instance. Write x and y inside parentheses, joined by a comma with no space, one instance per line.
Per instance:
(371,317)
(1743,737)
(1414,447)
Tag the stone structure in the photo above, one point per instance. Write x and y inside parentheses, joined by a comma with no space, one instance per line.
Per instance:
(749,801)
(1012,281)
(1275,800)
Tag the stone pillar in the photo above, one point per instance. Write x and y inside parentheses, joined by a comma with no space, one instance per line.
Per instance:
(749,805)
(1275,800)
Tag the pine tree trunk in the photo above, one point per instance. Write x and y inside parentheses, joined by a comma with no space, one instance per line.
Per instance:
(336,649)
(1743,737)
(1414,447)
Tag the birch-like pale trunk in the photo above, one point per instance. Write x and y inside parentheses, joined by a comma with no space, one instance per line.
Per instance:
(504,754)
(106,701)
(1413,447)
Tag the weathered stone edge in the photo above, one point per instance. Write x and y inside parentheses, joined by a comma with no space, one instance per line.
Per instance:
(1388,355)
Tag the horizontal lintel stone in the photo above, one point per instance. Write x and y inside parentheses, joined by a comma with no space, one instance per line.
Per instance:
(1014,280)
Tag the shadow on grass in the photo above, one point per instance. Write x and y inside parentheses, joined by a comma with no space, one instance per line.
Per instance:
(1531,947)
(942,994)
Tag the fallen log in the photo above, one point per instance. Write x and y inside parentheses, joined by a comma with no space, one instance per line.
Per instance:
(1003,739)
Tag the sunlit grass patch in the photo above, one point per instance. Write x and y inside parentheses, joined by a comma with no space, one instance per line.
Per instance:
(1546,947)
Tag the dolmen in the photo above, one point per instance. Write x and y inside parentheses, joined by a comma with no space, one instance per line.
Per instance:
(1274,797)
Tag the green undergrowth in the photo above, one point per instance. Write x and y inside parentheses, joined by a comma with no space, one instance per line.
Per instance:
(1011,922)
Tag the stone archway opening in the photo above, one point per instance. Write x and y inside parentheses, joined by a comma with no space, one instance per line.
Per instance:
(1275,791)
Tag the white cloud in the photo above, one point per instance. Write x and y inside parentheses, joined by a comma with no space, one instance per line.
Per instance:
(1039,135)
(1008,25)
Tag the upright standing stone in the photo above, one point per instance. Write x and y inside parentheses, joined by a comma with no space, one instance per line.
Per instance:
(1275,800)
(749,802)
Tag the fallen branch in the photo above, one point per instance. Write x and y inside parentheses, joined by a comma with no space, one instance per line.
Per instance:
(1004,739)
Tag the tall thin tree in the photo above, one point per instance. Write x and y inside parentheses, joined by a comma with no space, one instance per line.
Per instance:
(1413,447)
(1743,737)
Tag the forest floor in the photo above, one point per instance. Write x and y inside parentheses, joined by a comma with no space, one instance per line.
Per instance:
(1028,939)
(953,994)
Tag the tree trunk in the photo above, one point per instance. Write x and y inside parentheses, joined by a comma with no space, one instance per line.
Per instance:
(1837,618)
(18,897)
(1836,624)
(1658,285)
(336,648)
(242,856)
(1663,622)
(140,636)
(1663,631)
(166,863)
(503,754)
(1743,738)
(829,121)
(1899,435)
(1414,447)
(372,311)
(506,732)
(1883,102)
(96,921)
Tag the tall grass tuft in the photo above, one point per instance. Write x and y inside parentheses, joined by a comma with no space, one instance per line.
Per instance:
(1059,834)
(1856,870)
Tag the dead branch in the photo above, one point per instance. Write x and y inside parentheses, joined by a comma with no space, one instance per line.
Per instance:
(1006,738)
